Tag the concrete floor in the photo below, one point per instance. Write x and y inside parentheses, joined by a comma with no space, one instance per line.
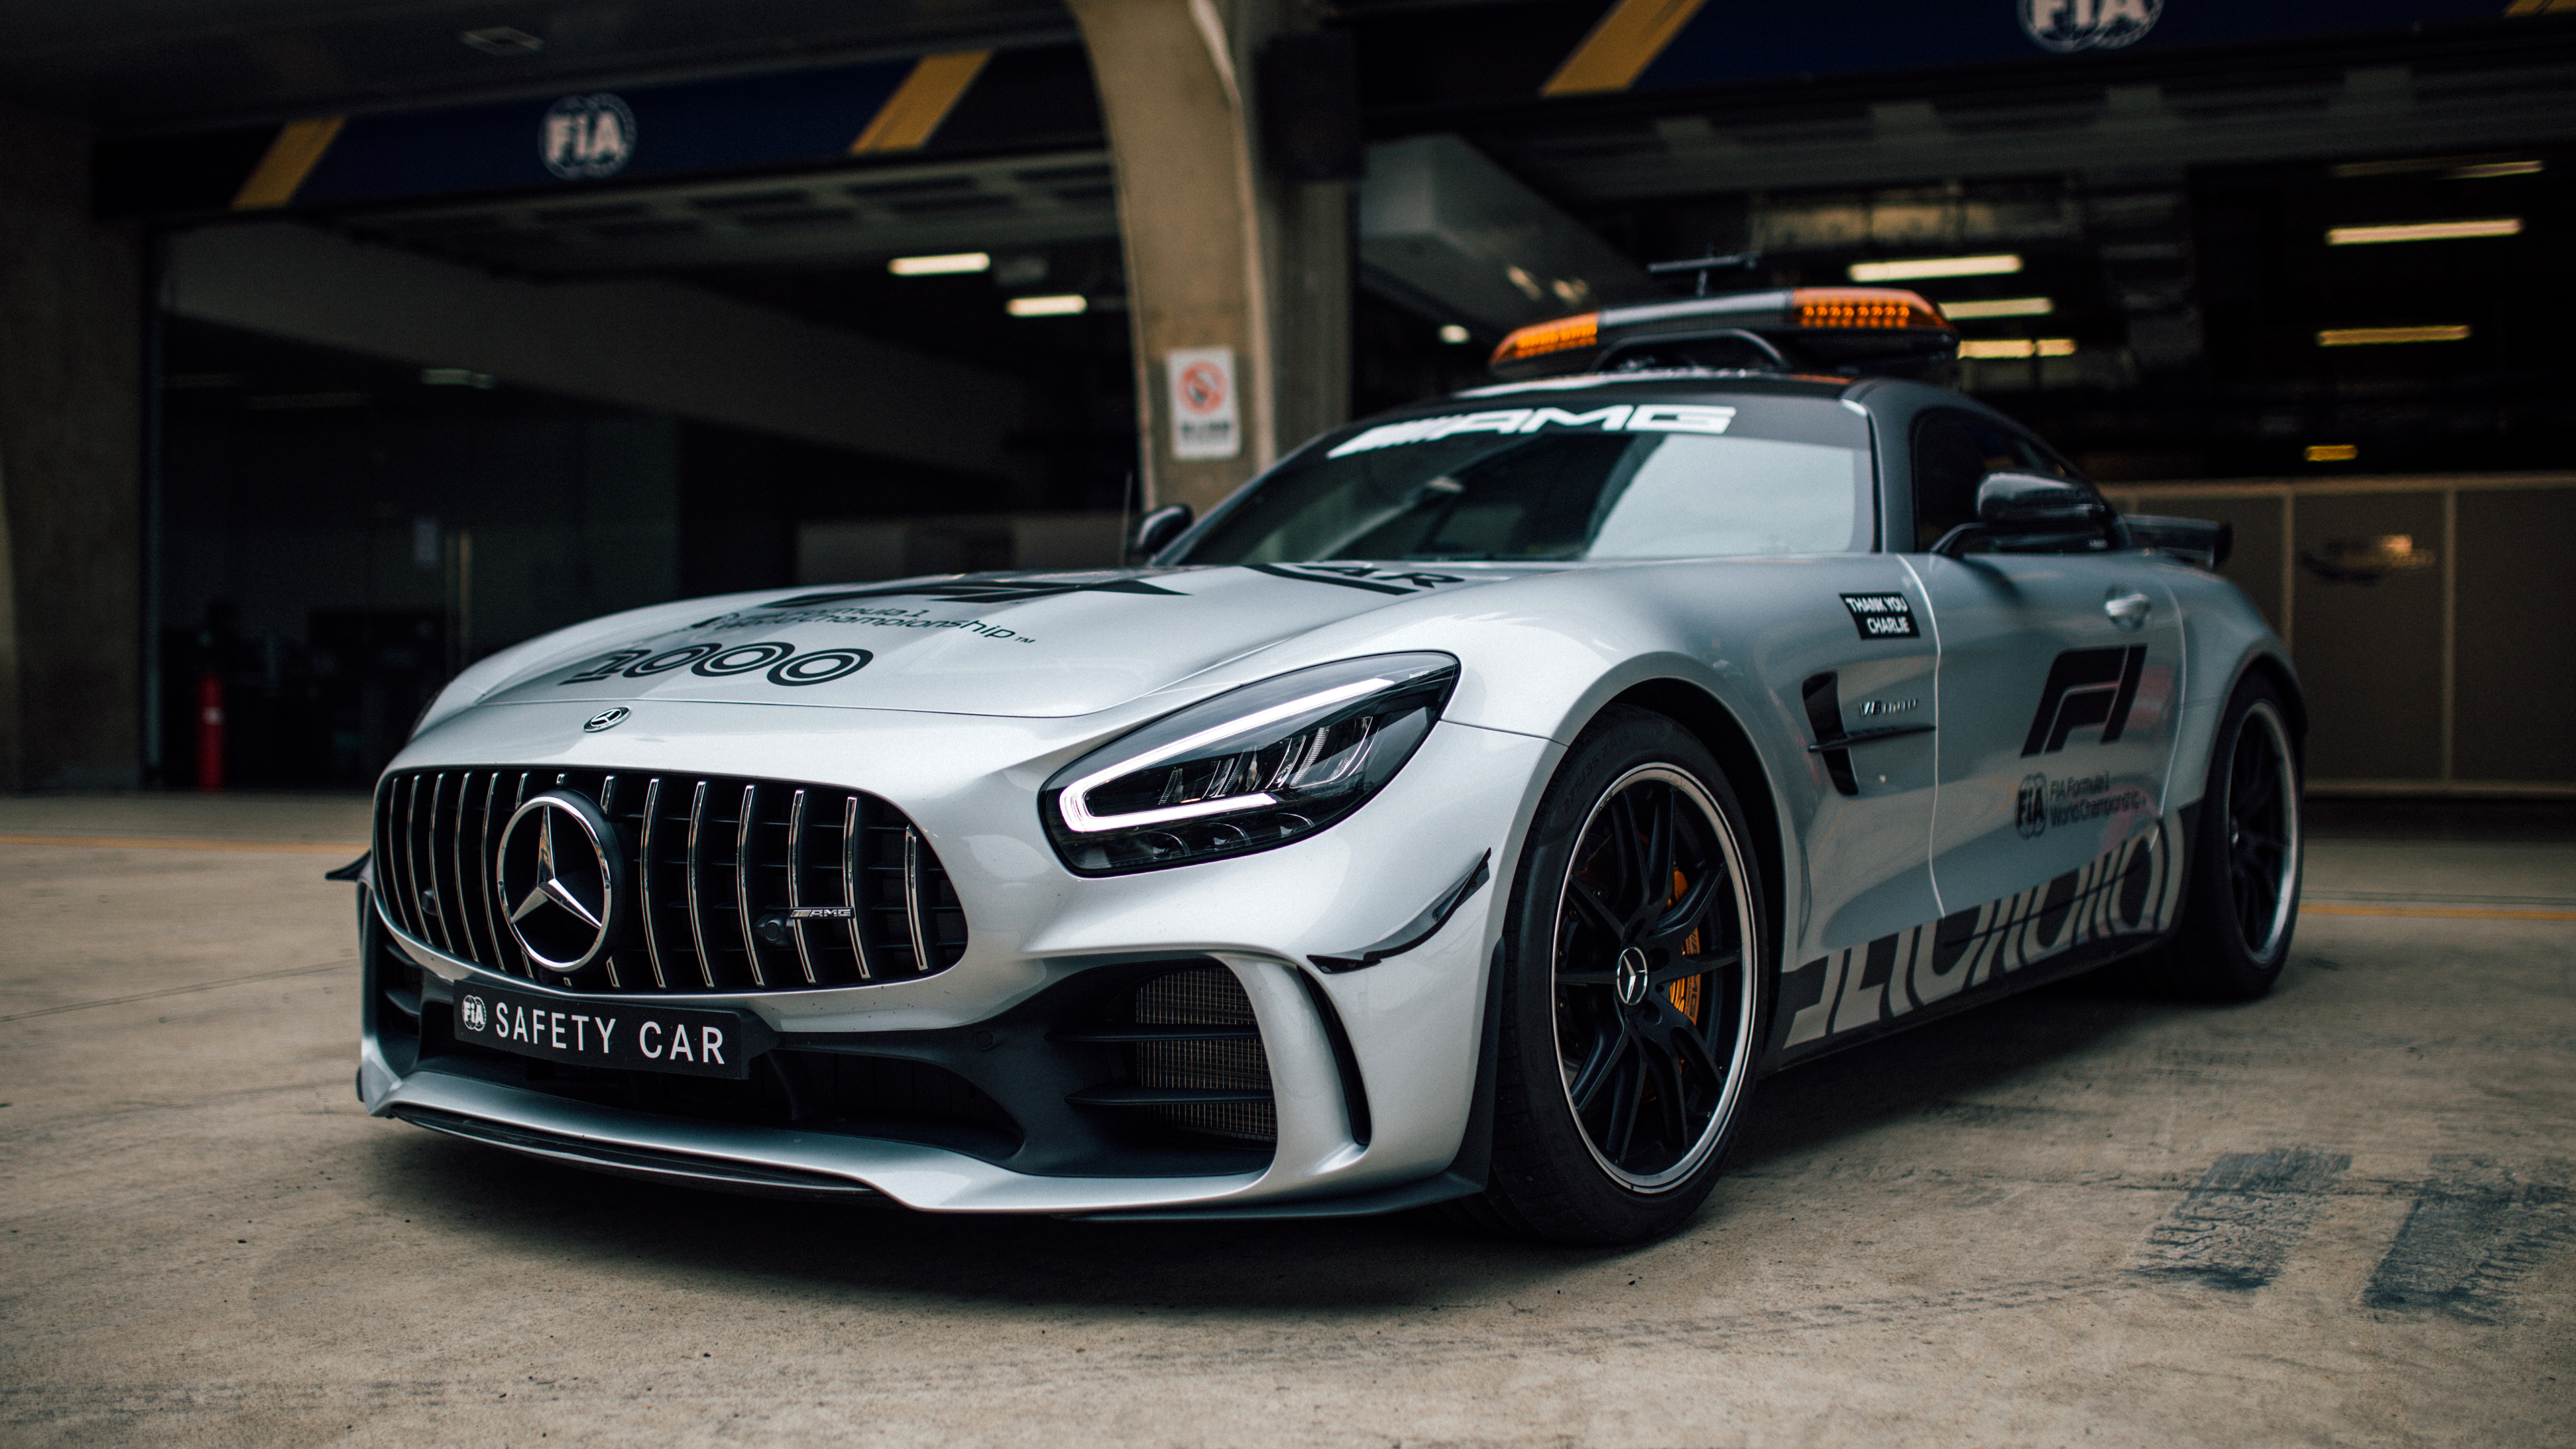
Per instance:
(2341,1215)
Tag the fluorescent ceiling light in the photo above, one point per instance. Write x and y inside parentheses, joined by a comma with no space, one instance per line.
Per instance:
(2355,236)
(1069,305)
(1907,271)
(2485,169)
(2003,307)
(939,266)
(2014,347)
(2453,168)
(2332,452)
(2374,336)
(1453,334)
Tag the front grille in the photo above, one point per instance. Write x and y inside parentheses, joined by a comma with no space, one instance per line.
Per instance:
(1206,996)
(717,865)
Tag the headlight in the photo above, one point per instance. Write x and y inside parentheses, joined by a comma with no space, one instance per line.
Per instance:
(1248,770)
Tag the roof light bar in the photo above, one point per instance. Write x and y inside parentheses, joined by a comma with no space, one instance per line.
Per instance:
(2000,307)
(1539,339)
(2376,336)
(1071,304)
(2333,452)
(947,264)
(2356,236)
(1918,268)
(1868,307)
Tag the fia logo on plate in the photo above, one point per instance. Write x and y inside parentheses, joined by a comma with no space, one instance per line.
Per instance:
(587,137)
(2071,25)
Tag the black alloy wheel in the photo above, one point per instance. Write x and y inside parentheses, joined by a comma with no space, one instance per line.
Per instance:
(1650,984)
(1632,992)
(2262,833)
(2241,872)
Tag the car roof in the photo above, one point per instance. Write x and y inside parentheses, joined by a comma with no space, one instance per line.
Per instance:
(1697,381)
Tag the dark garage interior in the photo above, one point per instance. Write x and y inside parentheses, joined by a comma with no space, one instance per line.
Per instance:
(345,349)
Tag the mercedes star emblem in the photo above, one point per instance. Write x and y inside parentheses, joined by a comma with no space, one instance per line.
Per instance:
(606,719)
(561,878)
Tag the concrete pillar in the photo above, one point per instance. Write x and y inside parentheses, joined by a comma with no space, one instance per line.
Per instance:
(1221,252)
(71,292)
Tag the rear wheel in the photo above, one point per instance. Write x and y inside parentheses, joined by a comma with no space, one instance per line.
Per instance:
(2242,900)
(1632,994)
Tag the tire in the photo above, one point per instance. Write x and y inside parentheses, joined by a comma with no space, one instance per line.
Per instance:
(1625,1059)
(2241,891)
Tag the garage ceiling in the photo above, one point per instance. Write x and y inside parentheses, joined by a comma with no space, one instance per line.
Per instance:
(142,65)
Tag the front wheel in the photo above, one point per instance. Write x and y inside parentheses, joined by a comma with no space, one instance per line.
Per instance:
(1632,993)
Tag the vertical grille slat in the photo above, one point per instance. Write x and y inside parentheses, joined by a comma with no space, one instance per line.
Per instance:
(796,885)
(608,807)
(645,905)
(411,862)
(503,947)
(914,911)
(437,831)
(853,884)
(742,895)
(697,916)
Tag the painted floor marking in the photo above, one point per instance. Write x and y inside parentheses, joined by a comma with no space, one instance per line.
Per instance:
(2439,913)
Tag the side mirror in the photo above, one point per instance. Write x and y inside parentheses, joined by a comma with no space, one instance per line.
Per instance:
(2029,512)
(1158,527)
(2024,502)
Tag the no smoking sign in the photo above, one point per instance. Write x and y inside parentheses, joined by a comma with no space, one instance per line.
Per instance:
(1204,421)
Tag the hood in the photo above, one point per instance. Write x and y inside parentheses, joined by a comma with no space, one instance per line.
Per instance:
(1030,644)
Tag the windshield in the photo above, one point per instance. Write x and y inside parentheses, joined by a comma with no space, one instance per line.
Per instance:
(1615,481)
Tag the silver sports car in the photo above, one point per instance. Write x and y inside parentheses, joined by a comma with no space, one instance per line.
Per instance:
(1471,810)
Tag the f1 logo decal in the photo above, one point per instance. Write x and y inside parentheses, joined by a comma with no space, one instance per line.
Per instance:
(2086,687)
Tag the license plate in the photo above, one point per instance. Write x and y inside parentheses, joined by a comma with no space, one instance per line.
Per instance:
(628,1033)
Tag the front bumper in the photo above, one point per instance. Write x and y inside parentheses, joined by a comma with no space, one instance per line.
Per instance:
(1372,1072)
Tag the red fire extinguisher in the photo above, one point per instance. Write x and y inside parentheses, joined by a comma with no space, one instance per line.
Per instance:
(210,732)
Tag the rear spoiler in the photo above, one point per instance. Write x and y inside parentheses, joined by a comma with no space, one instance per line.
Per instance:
(2193,540)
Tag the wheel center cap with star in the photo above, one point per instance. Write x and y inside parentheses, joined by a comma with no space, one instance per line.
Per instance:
(561,880)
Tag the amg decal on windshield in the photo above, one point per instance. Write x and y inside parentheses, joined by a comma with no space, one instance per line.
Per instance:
(1618,417)
(981,591)
(1882,616)
(2086,687)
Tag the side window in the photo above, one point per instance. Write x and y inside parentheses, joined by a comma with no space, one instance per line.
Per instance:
(1953,452)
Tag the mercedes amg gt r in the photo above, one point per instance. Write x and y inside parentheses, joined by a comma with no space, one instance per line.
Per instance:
(1471,810)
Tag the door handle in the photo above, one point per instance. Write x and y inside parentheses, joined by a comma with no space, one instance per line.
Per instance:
(2129,611)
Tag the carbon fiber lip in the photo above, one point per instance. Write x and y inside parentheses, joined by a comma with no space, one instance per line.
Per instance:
(677,1168)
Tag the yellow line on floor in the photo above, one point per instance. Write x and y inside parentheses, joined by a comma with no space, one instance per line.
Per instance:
(148,842)
(2440,913)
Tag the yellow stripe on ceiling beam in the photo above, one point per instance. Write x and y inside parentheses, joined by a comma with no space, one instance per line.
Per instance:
(291,157)
(1620,47)
(912,115)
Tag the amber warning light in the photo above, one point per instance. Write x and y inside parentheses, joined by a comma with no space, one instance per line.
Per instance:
(1538,340)
(1865,307)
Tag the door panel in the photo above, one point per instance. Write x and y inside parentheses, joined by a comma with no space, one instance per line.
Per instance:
(1862,661)
(2057,719)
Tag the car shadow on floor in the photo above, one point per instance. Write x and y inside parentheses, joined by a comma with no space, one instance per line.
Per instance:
(495,1202)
